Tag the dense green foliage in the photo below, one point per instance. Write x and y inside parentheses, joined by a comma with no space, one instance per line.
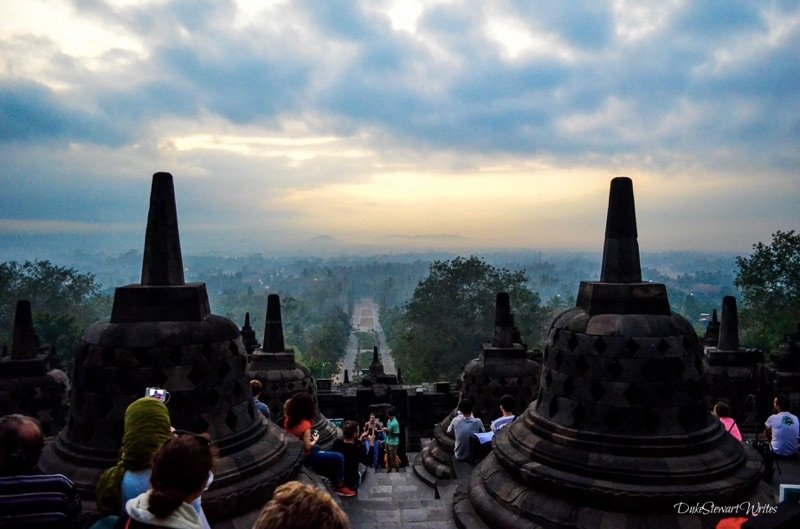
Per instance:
(64,302)
(769,280)
(450,314)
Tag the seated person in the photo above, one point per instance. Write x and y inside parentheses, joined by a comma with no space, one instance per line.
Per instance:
(374,427)
(352,449)
(29,498)
(182,470)
(298,412)
(782,429)
(506,413)
(256,387)
(723,412)
(462,427)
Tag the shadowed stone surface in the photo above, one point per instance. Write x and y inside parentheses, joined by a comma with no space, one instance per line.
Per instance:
(162,334)
(620,431)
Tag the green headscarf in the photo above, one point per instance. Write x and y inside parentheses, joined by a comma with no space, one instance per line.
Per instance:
(147,427)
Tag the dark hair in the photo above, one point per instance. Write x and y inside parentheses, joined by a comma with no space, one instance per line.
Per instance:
(21,443)
(255,387)
(465,406)
(508,403)
(782,402)
(722,409)
(350,429)
(390,412)
(298,506)
(180,469)
(300,406)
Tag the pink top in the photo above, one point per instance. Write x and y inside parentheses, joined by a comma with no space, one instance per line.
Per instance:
(730,426)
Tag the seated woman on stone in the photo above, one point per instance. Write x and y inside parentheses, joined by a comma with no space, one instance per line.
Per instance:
(147,428)
(182,470)
(375,428)
(298,506)
(723,412)
(354,453)
(298,413)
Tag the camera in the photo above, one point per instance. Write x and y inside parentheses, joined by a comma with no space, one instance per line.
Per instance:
(157,393)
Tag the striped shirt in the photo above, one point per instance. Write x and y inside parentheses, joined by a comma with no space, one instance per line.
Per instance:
(39,500)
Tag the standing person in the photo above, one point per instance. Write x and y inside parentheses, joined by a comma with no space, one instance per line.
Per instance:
(782,429)
(298,413)
(462,427)
(256,387)
(298,506)
(375,428)
(392,440)
(353,450)
(182,470)
(30,499)
(507,416)
(723,412)
(146,428)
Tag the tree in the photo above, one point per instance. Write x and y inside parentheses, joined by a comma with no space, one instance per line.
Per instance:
(450,314)
(769,280)
(64,303)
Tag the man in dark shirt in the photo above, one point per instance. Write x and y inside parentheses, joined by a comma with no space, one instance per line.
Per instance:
(352,448)
(29,498)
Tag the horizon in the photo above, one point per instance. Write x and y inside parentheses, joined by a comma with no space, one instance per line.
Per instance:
(431,125)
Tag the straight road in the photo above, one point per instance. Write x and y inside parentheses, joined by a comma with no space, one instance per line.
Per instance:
(365,318)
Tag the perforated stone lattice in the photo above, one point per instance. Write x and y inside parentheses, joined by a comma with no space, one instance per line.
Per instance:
(623,385)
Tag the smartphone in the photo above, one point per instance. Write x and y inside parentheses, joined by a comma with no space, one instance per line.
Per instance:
(157,393)
(315,433)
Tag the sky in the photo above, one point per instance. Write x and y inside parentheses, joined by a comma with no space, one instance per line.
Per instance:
(447,124)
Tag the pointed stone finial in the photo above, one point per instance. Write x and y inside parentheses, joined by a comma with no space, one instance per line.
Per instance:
(346,377)
(503,322)
(273,330)
(163,263)
(399,376)
(248,335)
(621,248)
(729,326)
(375,358)
(24,343)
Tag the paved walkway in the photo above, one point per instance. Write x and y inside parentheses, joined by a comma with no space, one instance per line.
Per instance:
(399,500)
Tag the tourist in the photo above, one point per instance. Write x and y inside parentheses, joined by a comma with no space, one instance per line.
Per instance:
(298,506)
(392,441)
(146,428)
(723,412)
(375,428)
(29,498)
(507,416)
(182,471)
(298,413)
(462,427)
(354,452)
(781,430)
(256,388)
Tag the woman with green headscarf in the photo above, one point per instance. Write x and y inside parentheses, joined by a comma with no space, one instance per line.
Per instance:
(147,427)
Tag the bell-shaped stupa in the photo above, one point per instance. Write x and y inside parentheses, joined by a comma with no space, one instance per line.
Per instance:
(502,368)
(620,434)
(282,376)
(162,334)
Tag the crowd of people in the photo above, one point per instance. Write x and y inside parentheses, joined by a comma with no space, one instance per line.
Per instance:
(161,473)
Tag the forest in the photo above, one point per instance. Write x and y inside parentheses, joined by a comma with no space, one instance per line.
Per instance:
(436,309)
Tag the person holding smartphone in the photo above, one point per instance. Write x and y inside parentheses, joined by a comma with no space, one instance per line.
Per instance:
(373,427)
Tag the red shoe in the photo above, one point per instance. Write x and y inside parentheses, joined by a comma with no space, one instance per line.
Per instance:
(345,491)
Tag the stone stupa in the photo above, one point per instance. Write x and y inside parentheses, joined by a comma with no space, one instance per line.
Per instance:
(282,376)
(501,368)
(620,432)
(162,334)
(29,382)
